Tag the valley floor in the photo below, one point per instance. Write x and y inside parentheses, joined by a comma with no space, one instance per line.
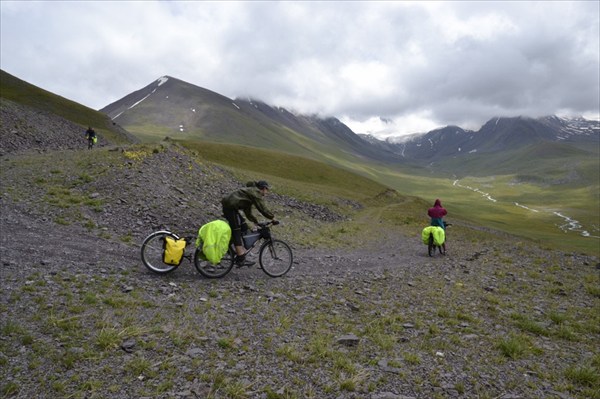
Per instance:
(82,317)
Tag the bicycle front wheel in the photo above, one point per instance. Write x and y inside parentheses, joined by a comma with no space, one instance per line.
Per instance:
(209,270)
(152,252)
(275,258)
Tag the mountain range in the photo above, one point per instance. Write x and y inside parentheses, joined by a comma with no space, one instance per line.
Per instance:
(498,134)
(174,108)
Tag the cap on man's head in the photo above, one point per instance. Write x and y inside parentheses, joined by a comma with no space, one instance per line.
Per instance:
(262,184)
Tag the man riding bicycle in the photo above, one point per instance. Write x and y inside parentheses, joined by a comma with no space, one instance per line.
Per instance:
(242,200)
(90,135)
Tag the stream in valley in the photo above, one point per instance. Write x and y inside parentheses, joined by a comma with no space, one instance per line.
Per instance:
(566,224)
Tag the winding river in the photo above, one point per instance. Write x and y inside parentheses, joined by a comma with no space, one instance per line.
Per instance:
(568,224)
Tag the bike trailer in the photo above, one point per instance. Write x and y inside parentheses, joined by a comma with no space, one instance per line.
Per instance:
(439,235)
(173,251)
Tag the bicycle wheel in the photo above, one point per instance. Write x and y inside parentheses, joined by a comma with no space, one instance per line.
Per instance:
(152,252)
(430,246)
(275,258)
(209,270)
(442,250)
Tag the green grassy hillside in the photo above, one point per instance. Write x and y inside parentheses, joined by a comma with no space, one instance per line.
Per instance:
(280,165)
(21,92)
(540,159)
(508,203)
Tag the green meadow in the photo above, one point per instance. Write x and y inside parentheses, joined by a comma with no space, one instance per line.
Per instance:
(492,202)
(508,203)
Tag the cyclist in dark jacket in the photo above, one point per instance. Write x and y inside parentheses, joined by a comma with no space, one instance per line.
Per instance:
(243,200)
(90,136)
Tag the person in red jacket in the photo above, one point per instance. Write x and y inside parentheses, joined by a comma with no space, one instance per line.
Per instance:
(437,213)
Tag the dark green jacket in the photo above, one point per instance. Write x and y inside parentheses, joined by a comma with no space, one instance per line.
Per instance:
(243,199)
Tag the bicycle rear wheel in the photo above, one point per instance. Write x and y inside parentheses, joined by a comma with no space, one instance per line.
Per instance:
(152,252)
(275,258)
(430,246)
(209,270)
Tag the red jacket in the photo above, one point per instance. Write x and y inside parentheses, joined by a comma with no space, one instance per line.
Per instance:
(437,211)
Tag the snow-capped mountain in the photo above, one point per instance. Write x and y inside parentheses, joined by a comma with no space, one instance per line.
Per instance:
(498,134)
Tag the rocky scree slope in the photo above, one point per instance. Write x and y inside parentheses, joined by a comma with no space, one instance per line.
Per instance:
(81,317)
(29,129)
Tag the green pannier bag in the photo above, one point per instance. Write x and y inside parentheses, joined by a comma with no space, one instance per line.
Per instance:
(439,235)
(173,251)
(214,238)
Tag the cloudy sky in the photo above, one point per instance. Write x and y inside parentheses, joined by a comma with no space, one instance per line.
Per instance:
(388,68)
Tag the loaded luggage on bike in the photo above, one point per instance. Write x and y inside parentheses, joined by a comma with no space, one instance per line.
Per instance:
(214,239)
(435,237)
(274,256)
(173,250)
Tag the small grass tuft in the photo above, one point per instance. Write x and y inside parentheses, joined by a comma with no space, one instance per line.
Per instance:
(586,375)
(513,347)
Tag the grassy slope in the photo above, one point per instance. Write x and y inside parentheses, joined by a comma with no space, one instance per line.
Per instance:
(368,202)
(287,166)
(547,178)
(536,160)
(24,93)
(579,203)
(462,203)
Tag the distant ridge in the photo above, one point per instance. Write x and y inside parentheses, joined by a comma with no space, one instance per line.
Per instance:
(172,107)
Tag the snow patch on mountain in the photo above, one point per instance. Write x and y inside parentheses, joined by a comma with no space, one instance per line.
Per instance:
(162,80)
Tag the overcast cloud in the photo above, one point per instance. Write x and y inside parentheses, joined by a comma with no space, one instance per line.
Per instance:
(417,65)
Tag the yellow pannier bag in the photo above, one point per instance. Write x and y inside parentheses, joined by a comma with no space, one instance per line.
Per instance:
(173,251)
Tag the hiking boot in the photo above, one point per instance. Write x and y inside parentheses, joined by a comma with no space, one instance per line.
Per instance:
(241,261)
